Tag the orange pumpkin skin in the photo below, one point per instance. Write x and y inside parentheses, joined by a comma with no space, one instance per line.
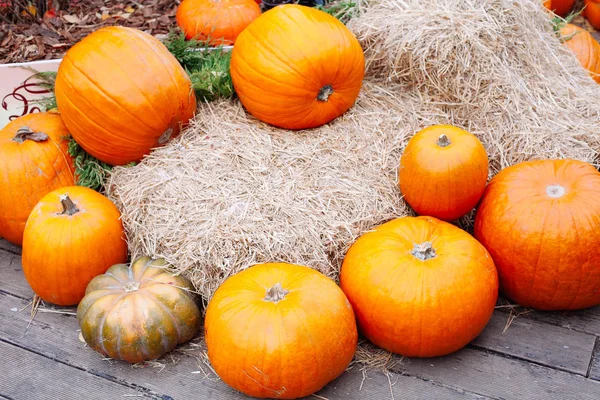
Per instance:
(585,48)
(539,221)
(592,12)
(309,72)
(72,235)
(279,331)
(443,176)
(138,313)
(33,162)
(121,93)
(217,21)
(419,286)
(559,7)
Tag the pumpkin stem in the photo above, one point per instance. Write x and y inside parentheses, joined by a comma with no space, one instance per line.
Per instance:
(443,141)
(555,191)
(131,287)
(276,293)
(423,251)
(69,207)
(24,133)
(325,92)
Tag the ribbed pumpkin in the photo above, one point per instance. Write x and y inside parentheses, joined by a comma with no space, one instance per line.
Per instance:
(539,220)
(585,48)
(443,172)
(592,12)
(72,235)
(138,312)
(559,7)
(279,331)
(419,286)
(297,67)
(218,22)
(33,162)
(120,93)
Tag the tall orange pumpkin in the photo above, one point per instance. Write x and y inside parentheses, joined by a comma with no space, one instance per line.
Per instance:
(33,161)
(72,235)
(121,93)
(539,220)
(217,21)
(419,286)
(279,331)
(297,67)
(585,48)
(559,7)
(592,12)
(443,172)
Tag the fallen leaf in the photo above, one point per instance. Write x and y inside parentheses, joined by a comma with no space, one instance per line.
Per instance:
(72,19)
(129,9)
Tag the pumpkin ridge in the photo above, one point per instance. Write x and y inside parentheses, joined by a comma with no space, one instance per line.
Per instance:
(101,324)
(165,310)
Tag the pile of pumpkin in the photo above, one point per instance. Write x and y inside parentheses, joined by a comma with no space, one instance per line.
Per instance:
(416,286)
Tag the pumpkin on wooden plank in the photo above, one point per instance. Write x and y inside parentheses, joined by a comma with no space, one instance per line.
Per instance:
(33,162)
(121,93)
(279,330)
(72,234)
(419,286)
(296,67)
(138,312)
(539,220)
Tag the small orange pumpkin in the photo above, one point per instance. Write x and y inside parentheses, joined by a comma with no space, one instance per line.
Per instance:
(539,220)
(559,7)
(72,235)
(33,161)
(592,12)
(217,21)
(279,331)
(121,93)
(419,286)
(585,48)
(138,312)
(443,172)
(296,67)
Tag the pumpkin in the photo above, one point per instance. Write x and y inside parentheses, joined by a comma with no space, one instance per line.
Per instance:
(72,235)
(138,312)
(121,93)
(585,48)
(296,67)
(34,161)
(559,7)
(419,286)
(279,331)
(539,221)
(592,12)
(443,172)
(217,22)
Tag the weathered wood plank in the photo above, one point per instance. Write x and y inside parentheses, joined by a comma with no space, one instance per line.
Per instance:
(542,343)
(586,321)
(26,375)
(13,281)
(595,366)
(56,337)
(7,246)
(501,377)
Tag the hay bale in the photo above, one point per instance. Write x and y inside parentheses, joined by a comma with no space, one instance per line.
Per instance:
(494,67)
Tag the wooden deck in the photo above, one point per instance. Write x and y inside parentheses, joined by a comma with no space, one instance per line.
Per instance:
(542,356)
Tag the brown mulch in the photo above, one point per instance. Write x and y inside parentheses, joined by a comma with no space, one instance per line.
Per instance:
(50,35)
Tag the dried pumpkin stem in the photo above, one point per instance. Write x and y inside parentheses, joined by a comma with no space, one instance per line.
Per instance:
(325,92)
(26,133)
(423,251)
(276,293)
(69,208)
(443,141)
(555,191)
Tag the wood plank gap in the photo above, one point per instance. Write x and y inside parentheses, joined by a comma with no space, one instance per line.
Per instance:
(9,247)
(594,371)
(398,371)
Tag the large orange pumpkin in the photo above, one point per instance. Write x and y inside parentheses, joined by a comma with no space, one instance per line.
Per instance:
(72,235)
(218,22)
(121,93)
(297,67)
(539,220)
(592,12)
(138,312)
(419,286)
(585,48)
(443,172)
(33,161)
(279,331)
(559,7)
